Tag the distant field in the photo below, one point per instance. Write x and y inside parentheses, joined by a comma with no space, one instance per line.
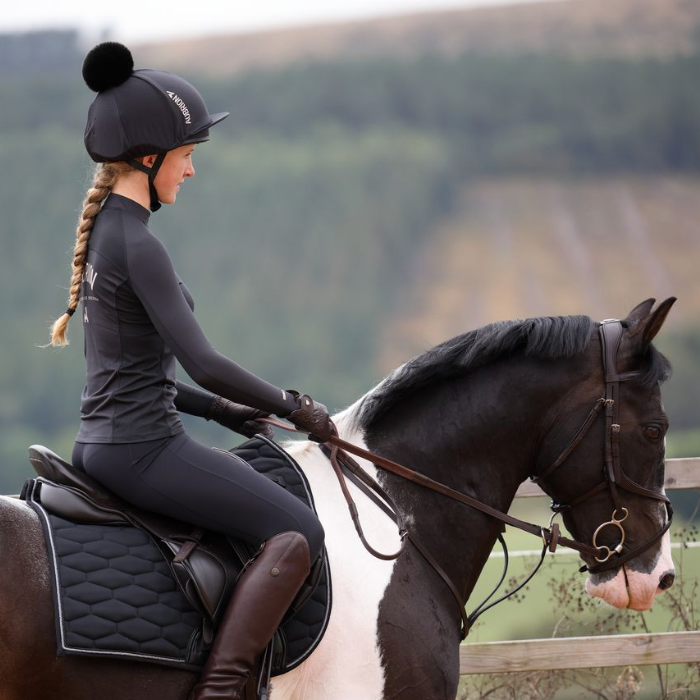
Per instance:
(632,28)
(517,248)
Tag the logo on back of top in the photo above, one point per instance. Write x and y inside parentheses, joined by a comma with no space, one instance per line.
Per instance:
(89,275)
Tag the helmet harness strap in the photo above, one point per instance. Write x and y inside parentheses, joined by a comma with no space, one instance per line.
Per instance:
(151,172)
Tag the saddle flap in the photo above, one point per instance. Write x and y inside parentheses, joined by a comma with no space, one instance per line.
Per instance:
(211,576)
(209,571)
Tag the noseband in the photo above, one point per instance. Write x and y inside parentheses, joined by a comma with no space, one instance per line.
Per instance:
(614,479)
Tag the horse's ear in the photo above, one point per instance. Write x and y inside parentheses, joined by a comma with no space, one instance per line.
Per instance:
(647,327)
(639,313)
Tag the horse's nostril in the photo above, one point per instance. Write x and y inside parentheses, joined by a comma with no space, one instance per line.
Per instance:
(666,581)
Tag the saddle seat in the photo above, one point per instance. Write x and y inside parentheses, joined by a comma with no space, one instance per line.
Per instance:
(205,568)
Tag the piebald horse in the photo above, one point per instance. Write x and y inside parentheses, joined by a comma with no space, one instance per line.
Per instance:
(480,414)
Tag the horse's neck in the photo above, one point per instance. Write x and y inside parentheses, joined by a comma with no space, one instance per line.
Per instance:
(477,435)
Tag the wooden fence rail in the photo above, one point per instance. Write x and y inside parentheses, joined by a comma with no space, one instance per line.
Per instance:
(581,652)
(591,652)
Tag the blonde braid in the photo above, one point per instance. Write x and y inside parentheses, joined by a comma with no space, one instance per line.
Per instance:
(106,175)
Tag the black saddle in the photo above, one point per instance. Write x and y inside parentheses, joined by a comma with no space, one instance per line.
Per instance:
(204,565)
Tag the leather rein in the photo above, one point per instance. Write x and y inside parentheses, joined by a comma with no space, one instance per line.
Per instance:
(339,450)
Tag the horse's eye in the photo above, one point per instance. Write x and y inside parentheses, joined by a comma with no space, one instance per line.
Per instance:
(652,432)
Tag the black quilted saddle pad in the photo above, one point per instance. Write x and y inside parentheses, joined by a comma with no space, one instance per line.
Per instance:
(115,594)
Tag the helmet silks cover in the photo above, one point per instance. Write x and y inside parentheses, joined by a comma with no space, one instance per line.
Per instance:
(142,112)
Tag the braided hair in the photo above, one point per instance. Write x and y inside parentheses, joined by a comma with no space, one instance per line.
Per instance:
(106,175)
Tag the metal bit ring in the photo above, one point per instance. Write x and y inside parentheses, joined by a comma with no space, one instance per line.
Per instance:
(615,522)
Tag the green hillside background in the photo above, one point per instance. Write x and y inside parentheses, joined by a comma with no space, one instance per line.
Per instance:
(379,187)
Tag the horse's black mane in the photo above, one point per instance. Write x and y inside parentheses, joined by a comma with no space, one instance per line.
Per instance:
(547,338)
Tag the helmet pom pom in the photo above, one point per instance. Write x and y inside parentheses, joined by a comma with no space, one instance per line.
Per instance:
(107,65)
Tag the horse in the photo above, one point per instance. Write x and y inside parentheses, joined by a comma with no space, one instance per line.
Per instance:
(479,414)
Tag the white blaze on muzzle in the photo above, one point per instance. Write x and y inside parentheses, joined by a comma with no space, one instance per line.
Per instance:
(634,589)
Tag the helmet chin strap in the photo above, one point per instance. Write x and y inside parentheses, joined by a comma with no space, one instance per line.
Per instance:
(151,172)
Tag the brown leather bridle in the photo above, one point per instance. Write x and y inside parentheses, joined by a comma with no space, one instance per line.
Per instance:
(615,479)
(611,331)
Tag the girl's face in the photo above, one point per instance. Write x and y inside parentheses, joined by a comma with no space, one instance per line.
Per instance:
(175,168)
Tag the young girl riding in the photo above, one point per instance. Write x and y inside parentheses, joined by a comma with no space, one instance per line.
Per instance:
(142,130)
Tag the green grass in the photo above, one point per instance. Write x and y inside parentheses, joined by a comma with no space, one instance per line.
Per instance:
(683,443)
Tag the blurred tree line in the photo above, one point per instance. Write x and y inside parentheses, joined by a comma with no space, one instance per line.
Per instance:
(533,113)
(310,204)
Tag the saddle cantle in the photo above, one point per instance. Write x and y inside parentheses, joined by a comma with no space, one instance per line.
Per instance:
(193,572)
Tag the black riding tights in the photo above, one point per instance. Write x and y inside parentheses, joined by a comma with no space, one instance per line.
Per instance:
(210,488)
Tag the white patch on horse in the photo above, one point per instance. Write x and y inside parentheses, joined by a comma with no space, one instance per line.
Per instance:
(346,665)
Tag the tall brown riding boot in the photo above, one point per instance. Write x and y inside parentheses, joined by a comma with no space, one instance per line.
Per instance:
(261,598)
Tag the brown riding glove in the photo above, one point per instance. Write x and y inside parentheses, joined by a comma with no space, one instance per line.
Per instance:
(312,417)
(241,419)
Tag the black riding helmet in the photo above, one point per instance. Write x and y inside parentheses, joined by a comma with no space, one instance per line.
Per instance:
(139,113)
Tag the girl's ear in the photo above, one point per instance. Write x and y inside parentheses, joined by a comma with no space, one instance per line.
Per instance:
(148,161)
